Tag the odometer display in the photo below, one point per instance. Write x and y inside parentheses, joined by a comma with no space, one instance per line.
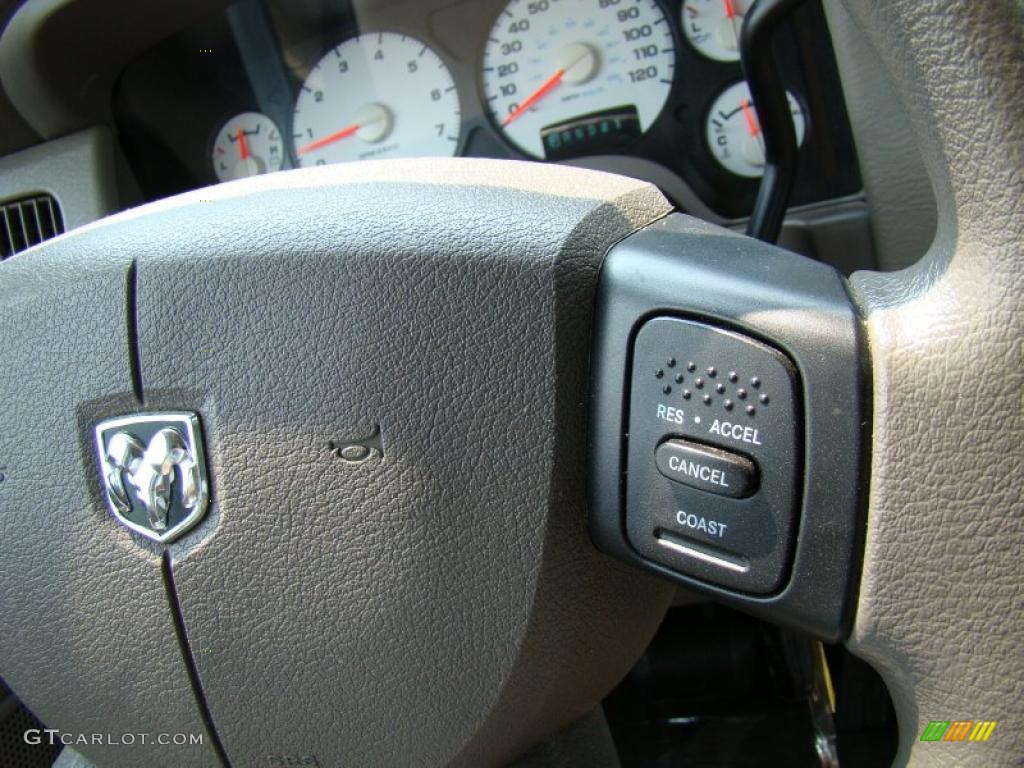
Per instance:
(548,62)
(593,134)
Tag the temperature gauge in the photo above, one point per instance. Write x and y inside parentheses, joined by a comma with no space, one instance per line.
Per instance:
(713,26)
(734,133)
(249,144)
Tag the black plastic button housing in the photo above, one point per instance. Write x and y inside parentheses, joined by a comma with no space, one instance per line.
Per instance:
(682,307)
(732,392)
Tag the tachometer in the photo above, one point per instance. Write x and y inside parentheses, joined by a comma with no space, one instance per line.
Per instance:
(569,77)
(381,94)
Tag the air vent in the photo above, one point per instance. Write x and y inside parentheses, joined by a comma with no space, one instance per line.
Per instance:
(27,222)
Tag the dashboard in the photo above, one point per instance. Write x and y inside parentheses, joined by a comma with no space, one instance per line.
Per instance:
(650,88)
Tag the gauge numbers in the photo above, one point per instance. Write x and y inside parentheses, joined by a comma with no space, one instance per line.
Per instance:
(548,62)
(247,145)
(734,132)
(381,94)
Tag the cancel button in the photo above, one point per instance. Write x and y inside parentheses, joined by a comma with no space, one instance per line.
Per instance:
(710,469)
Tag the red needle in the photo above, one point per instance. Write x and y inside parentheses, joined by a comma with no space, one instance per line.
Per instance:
(748,113)
(549,85)
(337,136)
(730,11)
(243,148)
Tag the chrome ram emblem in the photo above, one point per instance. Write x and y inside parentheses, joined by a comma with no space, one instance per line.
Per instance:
(154,472)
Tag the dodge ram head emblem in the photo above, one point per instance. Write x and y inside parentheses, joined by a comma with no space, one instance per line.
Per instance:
(153,472)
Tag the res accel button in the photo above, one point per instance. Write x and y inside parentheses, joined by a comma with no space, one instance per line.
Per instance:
(706,468)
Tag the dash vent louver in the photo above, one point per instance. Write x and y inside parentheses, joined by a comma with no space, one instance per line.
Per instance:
(28,221)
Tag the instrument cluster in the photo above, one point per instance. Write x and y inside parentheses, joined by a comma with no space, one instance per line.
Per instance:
(268,85)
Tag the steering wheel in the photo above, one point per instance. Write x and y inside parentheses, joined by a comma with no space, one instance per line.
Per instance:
(939,612)
(385,371)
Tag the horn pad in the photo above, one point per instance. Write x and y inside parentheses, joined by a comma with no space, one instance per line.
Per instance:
(427,593)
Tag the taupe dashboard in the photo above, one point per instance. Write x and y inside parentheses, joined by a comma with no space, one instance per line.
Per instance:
(271,85)
(652,89)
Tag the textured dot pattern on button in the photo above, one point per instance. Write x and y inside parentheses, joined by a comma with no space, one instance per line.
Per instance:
(735,390)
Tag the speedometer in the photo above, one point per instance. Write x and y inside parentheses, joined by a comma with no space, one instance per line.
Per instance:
(571,77)
(377,95)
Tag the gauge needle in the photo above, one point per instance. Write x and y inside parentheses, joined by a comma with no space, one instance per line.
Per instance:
(344,133)
(731,15)
(549,85)
(748,113)
(243,147)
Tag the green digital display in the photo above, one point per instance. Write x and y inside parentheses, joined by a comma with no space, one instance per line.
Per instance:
(593,134)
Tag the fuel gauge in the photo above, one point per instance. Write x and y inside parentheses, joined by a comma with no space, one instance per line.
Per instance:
(249,144)
(713,26)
